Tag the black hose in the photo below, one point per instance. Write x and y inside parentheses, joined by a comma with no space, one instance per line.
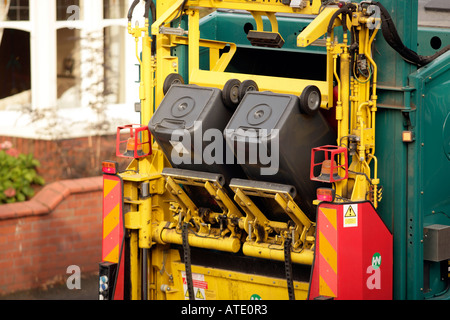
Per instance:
(148,4)
(131,10)
(151,8)
(393,39)
(346,9)
(333,17)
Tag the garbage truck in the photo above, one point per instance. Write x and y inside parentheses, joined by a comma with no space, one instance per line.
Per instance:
(287,150)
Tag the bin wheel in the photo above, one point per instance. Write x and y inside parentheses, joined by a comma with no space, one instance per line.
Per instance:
(230,93)
(310,100)
(171,79)
(246,86)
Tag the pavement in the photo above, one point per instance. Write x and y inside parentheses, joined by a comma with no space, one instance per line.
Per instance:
(88,291)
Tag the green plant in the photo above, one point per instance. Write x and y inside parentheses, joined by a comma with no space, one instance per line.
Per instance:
(17,175)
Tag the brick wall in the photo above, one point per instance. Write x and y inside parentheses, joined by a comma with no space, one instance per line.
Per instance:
(69,158)
(59,227)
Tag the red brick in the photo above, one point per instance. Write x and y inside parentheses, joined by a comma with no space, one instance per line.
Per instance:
(38,208)
(57,223)
(77,186)
(42,223)
(49,198)
(8,211)
(92,184)
(4,265)
(22,261)
(22,236)
(9,255)
(90,219)
(60,188)
(41,243)
(8,228)
(91,202)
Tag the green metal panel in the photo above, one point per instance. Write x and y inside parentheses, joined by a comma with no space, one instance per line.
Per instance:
(233,26)
(431,40)
(416,177)
(395,110)
(288,61)
(392,153)
(432,152)
(393,76)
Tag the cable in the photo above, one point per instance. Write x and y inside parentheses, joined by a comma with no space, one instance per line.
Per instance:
(151,8)
(131,10)
(179,13)
(393,39)
(347,9)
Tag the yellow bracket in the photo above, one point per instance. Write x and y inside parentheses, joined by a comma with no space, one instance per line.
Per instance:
(257,15)
(210,182)
(265,83)
(317,28)
(249,207)
(222,200)
(304,228)
(257,5)
(217,63)
(188,207)
(166,16)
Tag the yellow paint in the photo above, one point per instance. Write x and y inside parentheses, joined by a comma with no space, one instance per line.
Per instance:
(113,256)
(202,241)
(331,216)
(328,252)
(324,289)
(276,252)
(265,83)
(108,185)
(111,221)
(317,28)
(231,285)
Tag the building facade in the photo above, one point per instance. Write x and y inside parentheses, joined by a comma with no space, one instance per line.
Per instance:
(68,67)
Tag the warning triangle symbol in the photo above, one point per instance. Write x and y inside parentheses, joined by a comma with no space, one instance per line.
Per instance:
(199,295)
(187,293)
(350,212)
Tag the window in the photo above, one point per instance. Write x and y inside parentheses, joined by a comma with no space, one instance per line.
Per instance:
(68,67)
(114,9)
(114,52)
(14,63)
(19,10)
(62,6)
